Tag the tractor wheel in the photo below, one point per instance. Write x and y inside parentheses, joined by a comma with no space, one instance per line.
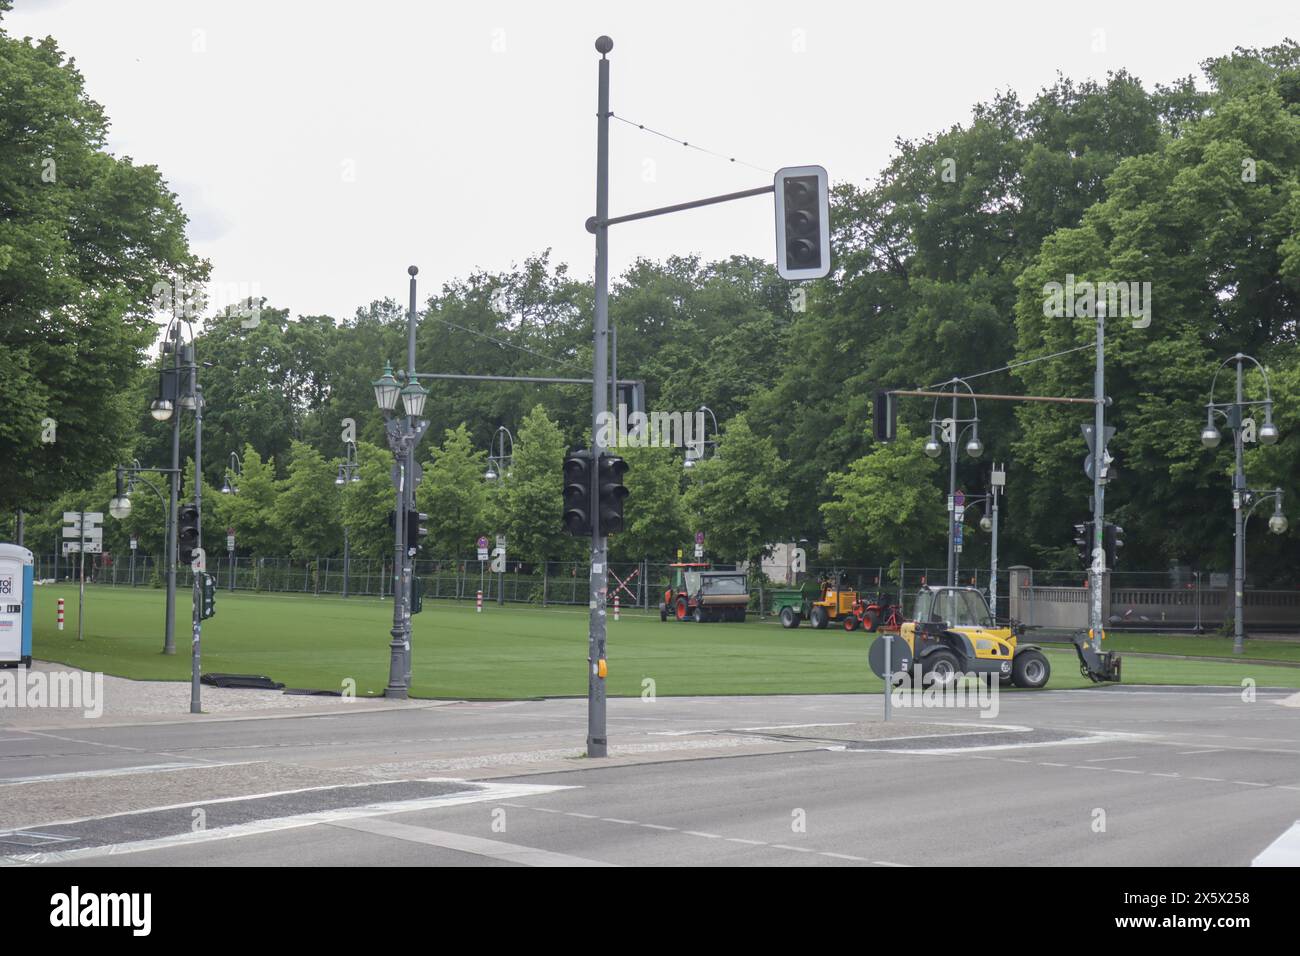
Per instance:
(663,612)
(819,617)
(698,615)
(943,666)
(1030,669)
(850,622)
(681,610)
(788,617)
(871,621)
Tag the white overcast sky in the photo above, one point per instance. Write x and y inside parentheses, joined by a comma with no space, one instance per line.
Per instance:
(319,148)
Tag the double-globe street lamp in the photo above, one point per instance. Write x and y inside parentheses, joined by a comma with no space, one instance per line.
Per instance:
(500,461)
(988,506)
(404,432)
(1244,499)
(950,431)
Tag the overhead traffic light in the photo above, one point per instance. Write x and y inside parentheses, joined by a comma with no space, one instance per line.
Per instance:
(612,493)
(577,493)
(187,533)
(884,416)
(1112,539)
(208,604)
(803,223)
(1083,542)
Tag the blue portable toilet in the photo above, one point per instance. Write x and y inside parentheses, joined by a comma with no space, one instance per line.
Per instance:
(15,605)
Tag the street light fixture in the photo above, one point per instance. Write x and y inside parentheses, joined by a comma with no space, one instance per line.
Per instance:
(386,390)
(1234,414)
(702,447)
(235,469)
(953,427)
(500,460)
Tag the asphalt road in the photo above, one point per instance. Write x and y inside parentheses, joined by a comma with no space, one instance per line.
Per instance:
(1110,776)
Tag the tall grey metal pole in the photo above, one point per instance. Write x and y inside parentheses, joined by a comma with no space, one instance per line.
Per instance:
(597,743)
(81,575)
(408,570)
(19,536)
(993,561)
(952,493)
(196,666)
(1238,534)
(1098,566)
(169,630)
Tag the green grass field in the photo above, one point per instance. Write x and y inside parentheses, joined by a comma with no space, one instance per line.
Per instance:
(512,651)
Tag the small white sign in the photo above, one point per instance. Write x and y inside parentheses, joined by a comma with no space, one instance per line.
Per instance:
(230,542)
(501,541)
(482,554)
(699,550)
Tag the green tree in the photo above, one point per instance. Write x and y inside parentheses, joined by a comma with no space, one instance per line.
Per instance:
(884,506)
(252,509)
(307,506)
(738,497)
(533,495)
(84,237)
(454,494)
(654,520)
(368,501)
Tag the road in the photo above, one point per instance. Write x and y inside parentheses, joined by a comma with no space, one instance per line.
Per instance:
(1109,776)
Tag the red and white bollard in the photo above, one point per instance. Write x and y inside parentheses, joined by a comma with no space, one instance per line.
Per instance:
(616,606)
(60,614)
(478,603)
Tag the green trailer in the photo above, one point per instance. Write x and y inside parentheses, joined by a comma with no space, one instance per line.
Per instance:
(792,605)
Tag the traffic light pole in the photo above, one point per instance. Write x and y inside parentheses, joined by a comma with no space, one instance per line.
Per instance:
(196,665)
(1097,569)
(597,740)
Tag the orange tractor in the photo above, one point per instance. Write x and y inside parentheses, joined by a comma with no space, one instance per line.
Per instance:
(850,609)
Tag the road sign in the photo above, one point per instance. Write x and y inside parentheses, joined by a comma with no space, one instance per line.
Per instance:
(959,500)
(501,541)
(230,541)
(482,547)
(134,543)
(699,537)
(84,528)
(699,550)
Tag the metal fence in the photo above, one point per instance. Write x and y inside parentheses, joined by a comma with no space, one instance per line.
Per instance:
(1137,598)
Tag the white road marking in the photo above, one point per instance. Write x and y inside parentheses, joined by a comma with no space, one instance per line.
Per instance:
(1192,753)
(122,771)
(491,792)
(478,846)
(1284,851)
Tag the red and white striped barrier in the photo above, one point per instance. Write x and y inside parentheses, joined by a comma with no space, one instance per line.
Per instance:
(60,614)
(478,603)
(616,606)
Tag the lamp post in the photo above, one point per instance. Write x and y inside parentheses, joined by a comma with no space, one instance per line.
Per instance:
(404,432)
(702,446)
(1234,415)
(348,473)
(234,470)
(951,430)
(177,388)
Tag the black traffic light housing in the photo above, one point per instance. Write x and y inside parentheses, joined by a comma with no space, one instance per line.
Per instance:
(612,493)
(416,531)
(208,604)
(1083,542)
(1112,539)
(884,416)
(803,220)
(187,533)
(577,493)
(417,595)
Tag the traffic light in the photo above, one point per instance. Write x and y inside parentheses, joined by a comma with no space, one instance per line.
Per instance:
(612,493)
(187,534)
(577,493)
(416,532)
(417,595)
(1112,540)
(803,223)
(884,416)
(1083,542)
(208,605)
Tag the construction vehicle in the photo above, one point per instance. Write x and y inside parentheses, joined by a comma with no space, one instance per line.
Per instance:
(952,632)
(700,594)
